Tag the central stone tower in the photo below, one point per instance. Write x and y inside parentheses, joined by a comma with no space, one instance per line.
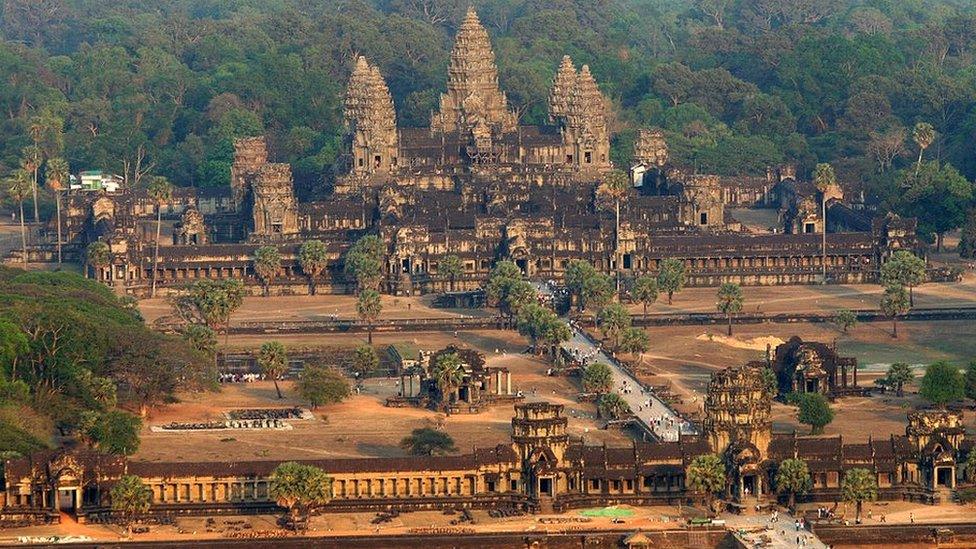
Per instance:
(473,98)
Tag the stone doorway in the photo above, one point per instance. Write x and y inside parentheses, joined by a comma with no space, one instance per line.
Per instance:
(749,486)
(523,265)
(545,486)
(944,477)
(68,500)
(813,386)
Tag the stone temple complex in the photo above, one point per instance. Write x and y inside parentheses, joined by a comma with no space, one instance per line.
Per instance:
(542,469)
(478,184)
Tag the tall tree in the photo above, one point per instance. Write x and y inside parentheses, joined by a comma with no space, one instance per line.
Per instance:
(924,135)
(614,188)
(612,406)
(815,411)
(116,432)
(895,302)
(320,385)
(18,188)
(824,178)
(451,267)
(645,291)
(635,341)
(212,302)
(906,269)
(57,176)
(428,442)
(597,378)
(98,255)
(671,277)
(313,258)
(369,307)
(859,485)
(31,159)
(613,320)
(130,498)
(448,373)
(597,291)
(898,375)
(576,275)
(364,262)
(267,263)
(273,361)
(300,488)
(942,384)
(730,300)
(846,319)
(160,190)
(793,478)
(706,474)
(365,360)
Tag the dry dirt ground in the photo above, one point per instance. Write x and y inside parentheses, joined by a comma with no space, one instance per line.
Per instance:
(816,298)
(685,357)
(320,307)
(362,425)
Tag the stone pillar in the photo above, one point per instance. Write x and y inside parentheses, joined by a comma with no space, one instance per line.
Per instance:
(508,383)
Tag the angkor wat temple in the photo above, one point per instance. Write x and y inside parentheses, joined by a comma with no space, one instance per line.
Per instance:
(542,469)
(477,184)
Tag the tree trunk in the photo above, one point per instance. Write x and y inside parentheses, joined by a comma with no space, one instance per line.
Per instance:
(37,218)
(645,312)
(939,237)
(823,258)
(616,245)
(911,296)
(23,234)
(57,201)
(277,389)
(670,295)
(918,165)
(792,505)
(857,514)
(900,390)
(369,332)
(894,327)
(159,228)
(730,324)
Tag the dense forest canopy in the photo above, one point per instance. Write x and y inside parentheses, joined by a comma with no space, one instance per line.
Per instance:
(163,87)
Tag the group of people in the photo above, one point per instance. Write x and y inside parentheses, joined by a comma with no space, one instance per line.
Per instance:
(241,378)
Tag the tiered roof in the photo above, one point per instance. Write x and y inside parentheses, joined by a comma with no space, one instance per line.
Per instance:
(562,89)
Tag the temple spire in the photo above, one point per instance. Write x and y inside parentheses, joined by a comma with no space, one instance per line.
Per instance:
(473,95)
(371,117)
(562,89)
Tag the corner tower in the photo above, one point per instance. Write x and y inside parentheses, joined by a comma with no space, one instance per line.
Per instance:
(562,90)
(371,118)
(473,96)
(585,135)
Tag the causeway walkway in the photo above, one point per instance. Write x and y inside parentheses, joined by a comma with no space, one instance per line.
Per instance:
(759,531)
(654,415)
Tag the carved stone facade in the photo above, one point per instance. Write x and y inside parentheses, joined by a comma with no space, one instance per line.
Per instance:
(542,467)
(275,210)
(812,367)
(479,186)
(473,101)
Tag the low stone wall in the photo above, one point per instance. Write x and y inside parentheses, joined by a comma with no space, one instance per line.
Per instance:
(898,535)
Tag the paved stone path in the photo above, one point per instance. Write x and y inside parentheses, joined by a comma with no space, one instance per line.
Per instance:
(781,534)
(631,391)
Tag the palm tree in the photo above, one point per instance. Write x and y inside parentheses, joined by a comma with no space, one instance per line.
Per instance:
(824,178)
(612,406)
(161,191)
(31,163)
(449,373)
(98,255)
(730,301)
(312,258)
(273,361)
(792,478)
(924,136)
(450,266)
(614,187)
(19,188)
(57,175)
(267,261)
(368,307)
